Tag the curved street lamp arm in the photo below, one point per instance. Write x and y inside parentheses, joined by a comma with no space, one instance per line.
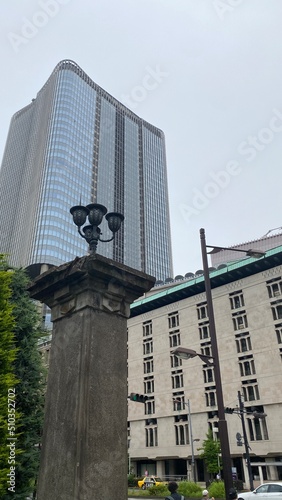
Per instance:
(81,234)
(106,241)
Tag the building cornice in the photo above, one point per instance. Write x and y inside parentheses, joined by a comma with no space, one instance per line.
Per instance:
(188,288)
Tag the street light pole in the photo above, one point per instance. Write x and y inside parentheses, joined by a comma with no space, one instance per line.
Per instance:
(192,442)
(222,424)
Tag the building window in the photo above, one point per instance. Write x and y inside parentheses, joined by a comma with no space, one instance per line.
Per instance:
(262,422)
(175,361)
(278,330)
(257,429)
(173,320)
(208,375)
(178,399)
(243,343)
(174,338)
(250,390)
(276,308)
(240,321)
(274,287)
(151,436)
(177,379)
(202,311)
(150,406)
(147,346)
(149,385)
(210,397)
(148,365)
(213,426)
(204,331)
(236,300)
(181,433)
(247,366)
(147,328)
(206,350)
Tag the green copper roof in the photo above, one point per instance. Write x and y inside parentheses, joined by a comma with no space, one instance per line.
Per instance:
(232,272)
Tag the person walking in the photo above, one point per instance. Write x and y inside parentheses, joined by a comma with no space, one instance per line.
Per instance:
(172,487)
(205,495)
(233,495)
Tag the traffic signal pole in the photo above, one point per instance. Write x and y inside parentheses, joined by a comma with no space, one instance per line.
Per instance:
(246,443)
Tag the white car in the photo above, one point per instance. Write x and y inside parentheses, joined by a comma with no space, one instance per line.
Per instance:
(266,491)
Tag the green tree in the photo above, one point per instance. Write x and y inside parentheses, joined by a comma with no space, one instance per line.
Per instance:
(31,387)
(211,453)
(31,376)
(7,377)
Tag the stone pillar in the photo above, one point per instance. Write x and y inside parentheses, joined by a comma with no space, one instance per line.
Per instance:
(84,447)
(160,471)
(246,475)
(271,470)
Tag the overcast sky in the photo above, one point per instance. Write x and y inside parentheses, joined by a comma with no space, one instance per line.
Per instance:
(206,72)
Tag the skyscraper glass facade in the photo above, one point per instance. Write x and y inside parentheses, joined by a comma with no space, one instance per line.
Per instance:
(76,144)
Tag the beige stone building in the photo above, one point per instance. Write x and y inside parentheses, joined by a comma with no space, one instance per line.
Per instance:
(247,299)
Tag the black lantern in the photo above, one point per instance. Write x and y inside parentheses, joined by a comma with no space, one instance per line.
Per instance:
(95,213)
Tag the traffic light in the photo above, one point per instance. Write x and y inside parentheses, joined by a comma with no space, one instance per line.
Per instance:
(138,398)
(228,410)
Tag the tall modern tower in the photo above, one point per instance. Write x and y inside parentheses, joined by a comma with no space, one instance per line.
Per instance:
(76,144)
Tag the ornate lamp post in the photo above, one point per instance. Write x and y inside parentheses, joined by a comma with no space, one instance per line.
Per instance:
(95,213)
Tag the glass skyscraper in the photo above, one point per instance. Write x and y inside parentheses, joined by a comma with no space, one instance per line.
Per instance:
(76,144)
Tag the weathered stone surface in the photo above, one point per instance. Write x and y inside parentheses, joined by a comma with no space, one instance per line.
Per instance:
(84,450)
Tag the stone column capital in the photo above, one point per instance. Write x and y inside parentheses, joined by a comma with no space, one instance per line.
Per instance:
(91,281)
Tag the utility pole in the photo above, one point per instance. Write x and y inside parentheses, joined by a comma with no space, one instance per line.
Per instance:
(190,437)
(246,443)
(222,424)
(192,442)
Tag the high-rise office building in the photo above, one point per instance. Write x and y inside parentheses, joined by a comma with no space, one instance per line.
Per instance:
(76,144)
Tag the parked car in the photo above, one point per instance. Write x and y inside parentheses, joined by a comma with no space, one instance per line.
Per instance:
(266,491)
(148,481)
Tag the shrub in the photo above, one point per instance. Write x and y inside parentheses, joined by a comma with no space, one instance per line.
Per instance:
(217,489)
(131,480)
(158,490)
(189,489)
